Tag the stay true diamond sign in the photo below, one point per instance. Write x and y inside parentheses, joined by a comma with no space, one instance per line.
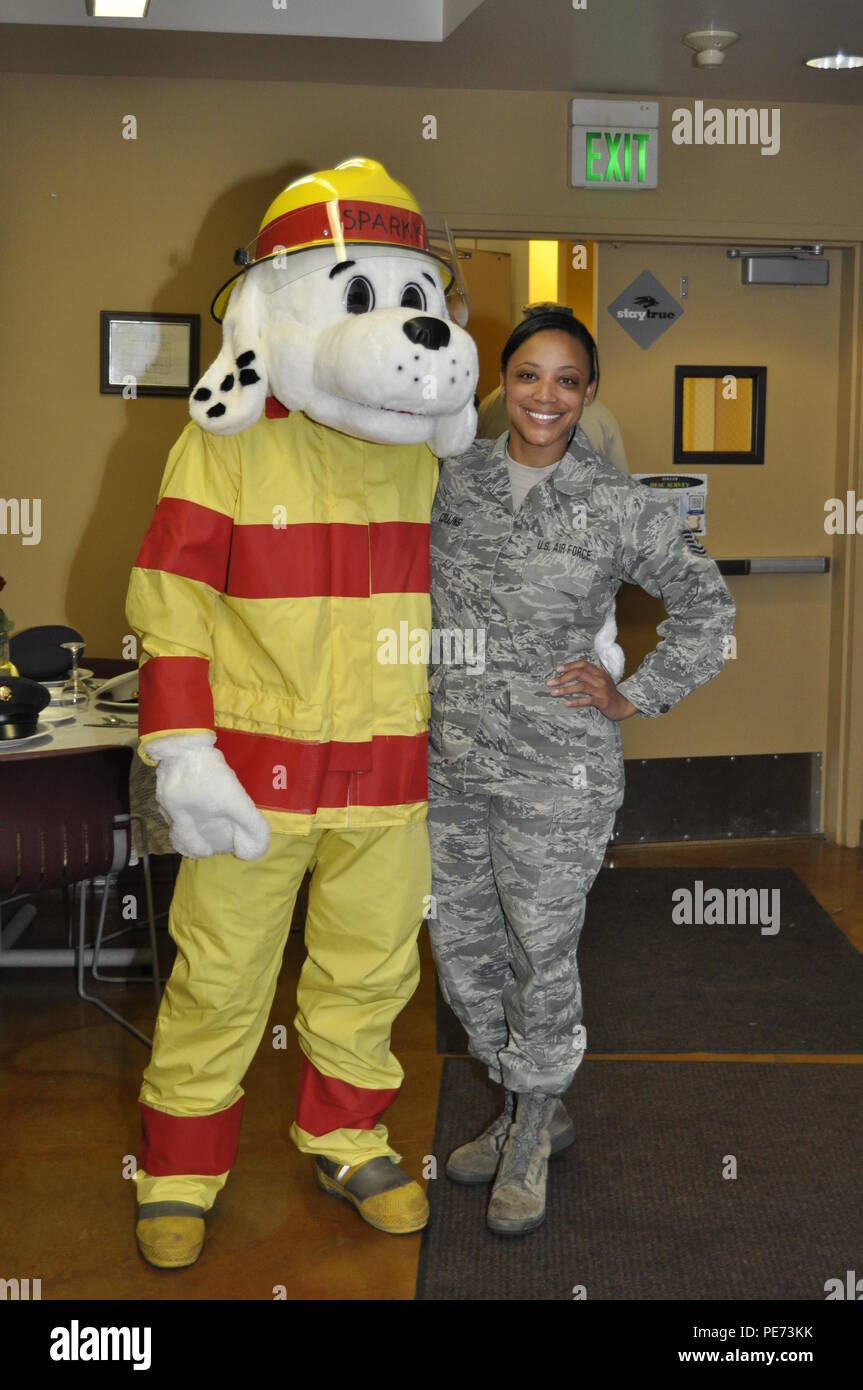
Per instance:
(645,310)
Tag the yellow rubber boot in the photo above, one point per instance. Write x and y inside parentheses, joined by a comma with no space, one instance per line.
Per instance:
(170,1235)
(384,1196)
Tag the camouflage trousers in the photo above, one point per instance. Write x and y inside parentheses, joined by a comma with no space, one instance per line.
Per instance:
(510,877)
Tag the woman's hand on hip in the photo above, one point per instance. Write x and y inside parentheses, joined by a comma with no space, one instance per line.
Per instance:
(586,684)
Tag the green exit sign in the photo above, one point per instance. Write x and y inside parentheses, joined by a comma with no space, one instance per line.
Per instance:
(614,144)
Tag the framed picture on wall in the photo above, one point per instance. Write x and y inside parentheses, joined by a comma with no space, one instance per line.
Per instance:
(719,415)
(146,354)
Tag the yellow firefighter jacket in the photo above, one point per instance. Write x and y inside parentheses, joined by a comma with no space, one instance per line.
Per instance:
(281,568)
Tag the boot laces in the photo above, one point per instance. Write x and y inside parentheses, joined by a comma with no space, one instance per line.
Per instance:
(525,1137)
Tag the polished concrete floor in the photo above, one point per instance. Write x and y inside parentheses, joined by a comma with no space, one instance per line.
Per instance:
(68,1086)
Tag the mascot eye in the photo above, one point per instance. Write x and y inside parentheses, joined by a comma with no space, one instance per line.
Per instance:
(412,297)
(359,296)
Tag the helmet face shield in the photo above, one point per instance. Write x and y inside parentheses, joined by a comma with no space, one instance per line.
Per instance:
(334,232)
(442,243)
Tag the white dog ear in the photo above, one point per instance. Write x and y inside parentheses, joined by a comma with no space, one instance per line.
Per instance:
(454,433)
(231,394)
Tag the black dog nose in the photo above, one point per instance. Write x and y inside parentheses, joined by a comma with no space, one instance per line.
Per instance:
(428,332)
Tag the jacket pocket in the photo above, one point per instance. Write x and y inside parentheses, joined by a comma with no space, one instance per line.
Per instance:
(446,543)
(266,712)
(548,741)
(558,574)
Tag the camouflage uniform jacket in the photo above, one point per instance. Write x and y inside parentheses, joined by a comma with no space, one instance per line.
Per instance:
(514,594)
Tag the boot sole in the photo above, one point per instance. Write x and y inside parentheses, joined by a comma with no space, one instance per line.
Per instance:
(564,1141)
(332,1189)
(502,1228)
(169,1264)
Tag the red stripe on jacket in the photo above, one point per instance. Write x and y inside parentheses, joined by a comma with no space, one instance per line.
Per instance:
(400,557)
(325,1103)
(390,770)
(174,693)
(336,559)
(172,1145)
(187,539)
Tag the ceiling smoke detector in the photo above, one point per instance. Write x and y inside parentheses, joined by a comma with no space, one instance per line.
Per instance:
(710,45)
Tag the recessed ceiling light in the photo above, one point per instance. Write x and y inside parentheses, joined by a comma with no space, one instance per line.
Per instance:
(117,9)
(835,62)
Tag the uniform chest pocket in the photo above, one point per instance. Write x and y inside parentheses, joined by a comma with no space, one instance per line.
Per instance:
(564,571)
(447,542)
(559,573)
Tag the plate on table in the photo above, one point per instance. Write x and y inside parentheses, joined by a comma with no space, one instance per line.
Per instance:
(56,714)
(83,674)
(118,706)
(41,730)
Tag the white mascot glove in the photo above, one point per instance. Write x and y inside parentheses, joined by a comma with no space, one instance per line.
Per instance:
(209,811)
(608,651)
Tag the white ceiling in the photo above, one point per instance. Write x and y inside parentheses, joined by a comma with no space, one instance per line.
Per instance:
(624,47)
(345,19)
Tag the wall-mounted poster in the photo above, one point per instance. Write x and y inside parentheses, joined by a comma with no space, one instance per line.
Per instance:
(690,492)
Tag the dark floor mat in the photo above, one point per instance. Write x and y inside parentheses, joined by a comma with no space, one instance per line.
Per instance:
(652,985)
(638,1208)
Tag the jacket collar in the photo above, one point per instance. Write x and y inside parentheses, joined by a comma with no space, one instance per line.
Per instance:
(574,476)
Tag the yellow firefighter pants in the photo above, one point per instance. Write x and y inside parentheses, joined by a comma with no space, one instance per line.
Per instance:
(230,920)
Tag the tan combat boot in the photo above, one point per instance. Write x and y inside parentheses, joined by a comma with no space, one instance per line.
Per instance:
(478,1160)
(517,1202)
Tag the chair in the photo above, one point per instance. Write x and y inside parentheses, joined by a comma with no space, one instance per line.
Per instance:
(65,821)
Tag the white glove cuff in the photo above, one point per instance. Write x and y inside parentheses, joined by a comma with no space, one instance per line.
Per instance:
(179,746)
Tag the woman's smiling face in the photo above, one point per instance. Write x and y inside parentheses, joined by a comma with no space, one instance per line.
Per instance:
(547,387)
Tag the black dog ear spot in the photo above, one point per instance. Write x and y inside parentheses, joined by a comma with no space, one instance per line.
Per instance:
(215,410)
(203,393)
(227,383)
(245,358)
(248,376)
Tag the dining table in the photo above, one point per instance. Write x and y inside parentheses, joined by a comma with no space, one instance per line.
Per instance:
(62,731)
(87,729)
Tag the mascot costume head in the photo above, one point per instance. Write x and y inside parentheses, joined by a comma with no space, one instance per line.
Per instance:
(340,310)
(292,524)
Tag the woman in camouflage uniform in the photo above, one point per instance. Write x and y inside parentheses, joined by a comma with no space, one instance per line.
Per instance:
(532,535)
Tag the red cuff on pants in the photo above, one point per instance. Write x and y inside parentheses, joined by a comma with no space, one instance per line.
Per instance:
(173,1145)
(324,1103)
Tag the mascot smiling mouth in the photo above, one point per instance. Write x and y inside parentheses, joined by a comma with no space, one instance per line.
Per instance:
(355,333)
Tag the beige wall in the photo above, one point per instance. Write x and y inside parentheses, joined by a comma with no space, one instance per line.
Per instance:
(781,674)
(92,221)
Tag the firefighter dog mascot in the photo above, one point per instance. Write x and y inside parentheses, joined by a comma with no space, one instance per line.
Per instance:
(291,534)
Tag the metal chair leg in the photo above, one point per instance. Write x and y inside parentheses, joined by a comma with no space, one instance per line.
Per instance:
(68,914)
(151,924)
(82,993)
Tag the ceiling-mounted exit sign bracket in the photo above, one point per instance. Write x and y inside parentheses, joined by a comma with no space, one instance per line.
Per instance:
(614,144)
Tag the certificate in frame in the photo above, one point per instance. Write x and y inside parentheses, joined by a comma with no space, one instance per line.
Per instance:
(147,354)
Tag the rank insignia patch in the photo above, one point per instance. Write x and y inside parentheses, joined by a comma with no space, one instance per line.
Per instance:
(693,543)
